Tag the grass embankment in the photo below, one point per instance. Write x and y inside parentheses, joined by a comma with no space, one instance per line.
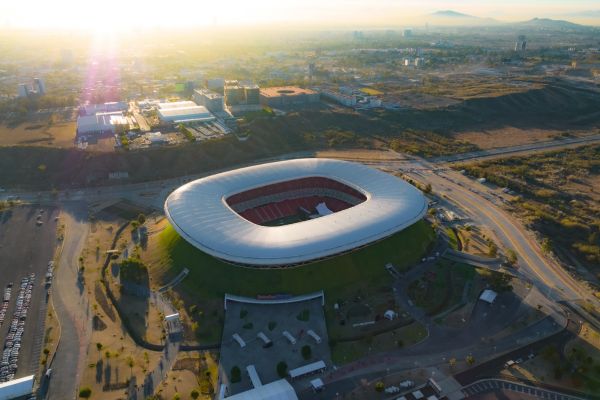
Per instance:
(442,288)
(210,278)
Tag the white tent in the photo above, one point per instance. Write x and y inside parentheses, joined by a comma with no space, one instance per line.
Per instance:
(317,384)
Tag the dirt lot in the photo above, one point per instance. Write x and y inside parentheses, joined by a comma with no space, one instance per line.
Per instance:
(38,134)
(18,232)
(503,137)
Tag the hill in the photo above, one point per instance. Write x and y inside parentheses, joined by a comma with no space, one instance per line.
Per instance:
(551,24)
(451,17)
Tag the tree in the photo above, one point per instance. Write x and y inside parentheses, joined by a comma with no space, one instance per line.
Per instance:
(379,386)
(452,362)
(235,374)
(306,352)
(130,364)
(427,188)
(511,256)
(99,346)
(141,219)
(195,394)
(470,360)
(282,369)
(85,392)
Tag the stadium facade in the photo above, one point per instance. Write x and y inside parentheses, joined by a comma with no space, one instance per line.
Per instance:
(292,212)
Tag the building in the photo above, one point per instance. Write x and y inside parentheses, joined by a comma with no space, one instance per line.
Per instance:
(183,111)
(339,97)
(17,388)
(111,107)
(100,123)
(407,32)
(214,102)
(252,94)
(234,94)
(240,207)
(216,85)
(277,390)
(39,86)
(23,90)
(521,44)
(285,96)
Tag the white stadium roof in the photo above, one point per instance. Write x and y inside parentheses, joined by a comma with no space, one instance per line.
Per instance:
(198,212)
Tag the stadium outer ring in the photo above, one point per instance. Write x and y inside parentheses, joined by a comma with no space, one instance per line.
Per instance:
(199,213)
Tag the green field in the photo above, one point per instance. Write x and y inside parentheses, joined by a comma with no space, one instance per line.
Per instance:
(210,278)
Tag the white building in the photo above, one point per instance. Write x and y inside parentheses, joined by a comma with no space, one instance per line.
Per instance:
(183,111)
(99,124)
(16,388)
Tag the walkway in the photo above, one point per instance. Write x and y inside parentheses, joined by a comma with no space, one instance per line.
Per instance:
(493,385)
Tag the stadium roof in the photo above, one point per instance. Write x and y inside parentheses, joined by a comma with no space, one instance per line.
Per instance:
(278,390)
(198,212)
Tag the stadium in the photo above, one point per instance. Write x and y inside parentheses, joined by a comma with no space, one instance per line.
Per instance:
(292,212)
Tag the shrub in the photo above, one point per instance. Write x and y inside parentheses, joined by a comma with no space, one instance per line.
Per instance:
(379,386)
(235,375)
(195,394)
(282,369)
(304,315)
(85,392)
(306,352)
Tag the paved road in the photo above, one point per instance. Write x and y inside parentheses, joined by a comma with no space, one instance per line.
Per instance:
(72,306)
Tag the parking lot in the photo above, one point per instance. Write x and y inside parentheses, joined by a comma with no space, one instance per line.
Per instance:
(27,244)
(272,320)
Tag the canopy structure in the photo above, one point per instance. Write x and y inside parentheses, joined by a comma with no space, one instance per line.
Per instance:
(488,296)
(278,390)
(200,213)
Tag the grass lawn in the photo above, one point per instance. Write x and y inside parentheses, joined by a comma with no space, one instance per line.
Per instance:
(453,238)
(345,352)
(371,91)
(210,278)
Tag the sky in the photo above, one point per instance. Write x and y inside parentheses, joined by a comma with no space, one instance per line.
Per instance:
(131,14)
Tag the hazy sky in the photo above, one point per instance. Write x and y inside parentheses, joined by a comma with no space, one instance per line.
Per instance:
(109,14)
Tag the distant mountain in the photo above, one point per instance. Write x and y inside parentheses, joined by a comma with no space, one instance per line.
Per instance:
(451,14)
(547,23)
(451,17)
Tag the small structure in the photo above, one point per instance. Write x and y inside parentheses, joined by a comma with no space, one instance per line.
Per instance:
(267,342)
(390,314)
(278,390)
(289,337)
(313,335)
(173,324)
(253,376)
(16,388)
(307,369)
(239,339)
(317,384)
(417,394)
(488,296)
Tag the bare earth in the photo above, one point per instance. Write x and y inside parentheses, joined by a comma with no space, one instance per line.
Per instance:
(38,134)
